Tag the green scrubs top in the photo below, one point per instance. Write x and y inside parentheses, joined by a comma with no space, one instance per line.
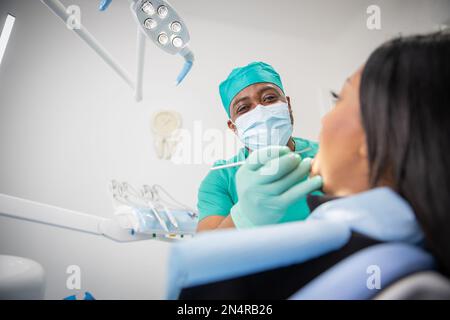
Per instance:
(217,193)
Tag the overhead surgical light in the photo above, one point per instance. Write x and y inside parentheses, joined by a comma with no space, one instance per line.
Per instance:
(162,24)
(5,35)
(157,20)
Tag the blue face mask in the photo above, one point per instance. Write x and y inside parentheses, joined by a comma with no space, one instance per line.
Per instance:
(265,126)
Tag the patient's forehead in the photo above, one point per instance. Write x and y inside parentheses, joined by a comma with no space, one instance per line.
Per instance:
(355,78)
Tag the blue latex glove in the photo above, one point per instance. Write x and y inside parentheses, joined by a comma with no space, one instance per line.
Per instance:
(269,182)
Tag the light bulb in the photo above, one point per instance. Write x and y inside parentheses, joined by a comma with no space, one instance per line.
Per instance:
(148,8)
(177,42)
(175,26)
(162,12)
(163,39)
(150,24)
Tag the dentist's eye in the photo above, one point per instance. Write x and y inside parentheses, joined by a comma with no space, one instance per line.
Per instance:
(242,109)
(270,98)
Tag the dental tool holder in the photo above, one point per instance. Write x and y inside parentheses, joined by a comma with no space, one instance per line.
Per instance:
(27,210)
(145,211)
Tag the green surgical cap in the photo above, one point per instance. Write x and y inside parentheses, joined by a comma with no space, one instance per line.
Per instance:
(241,78)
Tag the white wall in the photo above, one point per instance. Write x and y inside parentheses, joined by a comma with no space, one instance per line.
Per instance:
(68,124)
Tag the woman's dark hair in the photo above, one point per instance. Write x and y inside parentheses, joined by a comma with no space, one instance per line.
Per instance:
(405,108)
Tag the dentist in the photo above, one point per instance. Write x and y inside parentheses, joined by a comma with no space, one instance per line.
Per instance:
(260,114)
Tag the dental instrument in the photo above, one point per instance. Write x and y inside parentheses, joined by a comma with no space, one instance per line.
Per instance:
(122,195)
(156,20)
(157,199)
(240,163)
(192,212)
(130,197)
(143,210)
(155,212)
(5,35)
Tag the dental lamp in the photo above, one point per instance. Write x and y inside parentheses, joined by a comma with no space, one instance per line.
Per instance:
(160,23)
(156,20)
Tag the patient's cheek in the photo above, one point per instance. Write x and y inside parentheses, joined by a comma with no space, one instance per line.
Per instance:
(315,167)
(317,170)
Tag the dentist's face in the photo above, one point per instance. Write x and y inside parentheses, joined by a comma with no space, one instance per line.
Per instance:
(342,158)
(263,94)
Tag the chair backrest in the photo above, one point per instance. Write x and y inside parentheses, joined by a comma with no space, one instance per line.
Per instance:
(427,285)
(367,272)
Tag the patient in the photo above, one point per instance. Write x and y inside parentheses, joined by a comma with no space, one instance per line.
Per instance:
(391,127)
(389,130)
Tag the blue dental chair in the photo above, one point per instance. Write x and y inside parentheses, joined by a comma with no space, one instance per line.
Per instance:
(354,277)
(220,256)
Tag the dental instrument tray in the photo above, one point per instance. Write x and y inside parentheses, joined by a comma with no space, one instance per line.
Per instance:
(145,211)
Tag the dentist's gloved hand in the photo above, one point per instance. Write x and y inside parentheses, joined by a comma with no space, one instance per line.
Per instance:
(269,182)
